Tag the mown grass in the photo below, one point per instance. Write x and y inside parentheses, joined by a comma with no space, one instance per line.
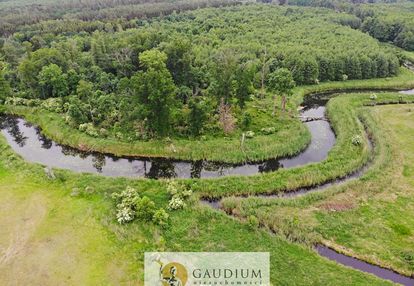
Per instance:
(224,149)
(371,218)
(74,240)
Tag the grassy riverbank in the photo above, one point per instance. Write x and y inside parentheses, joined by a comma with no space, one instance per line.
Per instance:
(50,237)
(225,149)
(343,159)
(371,218)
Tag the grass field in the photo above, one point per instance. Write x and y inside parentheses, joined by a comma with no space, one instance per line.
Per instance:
(371,218)
(49,237)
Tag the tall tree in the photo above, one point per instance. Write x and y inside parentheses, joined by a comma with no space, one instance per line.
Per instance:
(155,90)
(281,82)
(52,81)
(224,70)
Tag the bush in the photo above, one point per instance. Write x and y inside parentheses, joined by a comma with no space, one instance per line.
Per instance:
(357,140)
(253,221)
(179,193)
(89,129)
(160,217)
(176,203)
(268,130)
(16,101)
(144,208)
(53,105)
(126,201)
(124,214)
(131,206)
(249,134)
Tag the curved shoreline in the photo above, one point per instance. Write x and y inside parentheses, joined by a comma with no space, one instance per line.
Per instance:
(91,145)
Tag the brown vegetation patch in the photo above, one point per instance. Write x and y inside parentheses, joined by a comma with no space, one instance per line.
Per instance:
(337,206)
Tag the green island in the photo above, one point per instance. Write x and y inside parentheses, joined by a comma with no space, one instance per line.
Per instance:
(241,93)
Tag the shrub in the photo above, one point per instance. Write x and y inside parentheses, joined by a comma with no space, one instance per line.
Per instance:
(126,201)
(373,97)
(20,101)
(253,221)
(176,203)
(144,208)
(103,132)
(124,214)
(89,129)
(249,134)
(173,187)
(53,105)
(357,140)
(160,217)
(179,193)
(268,130)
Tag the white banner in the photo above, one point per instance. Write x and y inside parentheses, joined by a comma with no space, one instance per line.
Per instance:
(207,268)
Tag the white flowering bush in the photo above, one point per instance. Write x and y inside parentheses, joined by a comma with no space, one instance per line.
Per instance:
(22,101)
(124,214)
(357,140)
(130,206)
(53,104)
(176,203)
(268,130)
(126,201)
(89,129)
(249,134)
(179,193)
(173,187)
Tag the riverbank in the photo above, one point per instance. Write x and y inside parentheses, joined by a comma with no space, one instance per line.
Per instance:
(226,149)
(371,218)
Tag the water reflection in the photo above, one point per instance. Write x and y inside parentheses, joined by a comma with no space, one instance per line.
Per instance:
(33,146)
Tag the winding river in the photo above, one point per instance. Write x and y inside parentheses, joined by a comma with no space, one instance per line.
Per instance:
(28,141)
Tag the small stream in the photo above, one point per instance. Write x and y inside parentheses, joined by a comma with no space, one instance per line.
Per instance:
(364,266)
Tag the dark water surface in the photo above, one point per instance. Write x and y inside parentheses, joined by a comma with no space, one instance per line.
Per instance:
(364,266)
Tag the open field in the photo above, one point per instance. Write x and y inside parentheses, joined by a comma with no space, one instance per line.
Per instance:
(50,234)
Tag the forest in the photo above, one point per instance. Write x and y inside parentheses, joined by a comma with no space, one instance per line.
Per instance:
(384,20)
(167,76)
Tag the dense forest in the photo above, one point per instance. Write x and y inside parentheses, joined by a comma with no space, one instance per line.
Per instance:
(68,16)
(383,20)
(170,75)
